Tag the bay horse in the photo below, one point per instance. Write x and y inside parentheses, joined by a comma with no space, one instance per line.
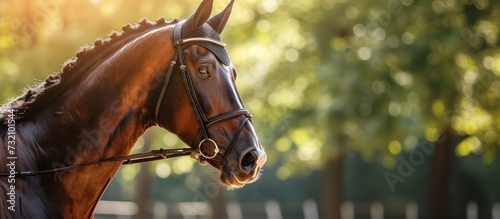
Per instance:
(61,140)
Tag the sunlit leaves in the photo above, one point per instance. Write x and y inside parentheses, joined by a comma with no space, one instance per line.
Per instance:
(472,119)
(467,146)
(395,73)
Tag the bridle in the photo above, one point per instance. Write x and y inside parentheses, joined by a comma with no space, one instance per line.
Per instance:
(204,122)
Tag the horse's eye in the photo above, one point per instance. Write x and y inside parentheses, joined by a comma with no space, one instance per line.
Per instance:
(203,70)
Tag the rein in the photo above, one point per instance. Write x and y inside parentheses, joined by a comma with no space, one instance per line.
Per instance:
(129,159)
(205,123)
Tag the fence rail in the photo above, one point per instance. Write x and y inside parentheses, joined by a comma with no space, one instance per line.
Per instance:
(272,210)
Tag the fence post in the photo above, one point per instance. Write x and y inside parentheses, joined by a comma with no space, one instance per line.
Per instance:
(273,210)
(495,211)
(377,210)
(347,210)
(160,210)
(233,210)
(310,209)
(472,210)
(412,210)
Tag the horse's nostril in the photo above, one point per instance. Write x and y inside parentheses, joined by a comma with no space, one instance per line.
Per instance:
(248,161)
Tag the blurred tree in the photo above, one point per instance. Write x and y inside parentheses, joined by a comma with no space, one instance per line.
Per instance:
(376,77)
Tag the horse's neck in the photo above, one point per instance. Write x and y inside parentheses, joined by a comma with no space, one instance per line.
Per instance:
(101,117)
(94,120)
(109,109)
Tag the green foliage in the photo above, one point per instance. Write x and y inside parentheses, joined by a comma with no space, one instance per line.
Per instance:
(377,76)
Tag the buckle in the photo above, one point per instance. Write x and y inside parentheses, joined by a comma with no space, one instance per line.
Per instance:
(200,151)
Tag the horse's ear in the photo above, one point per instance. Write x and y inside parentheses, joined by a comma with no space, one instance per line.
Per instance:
(201,15)
(218,22)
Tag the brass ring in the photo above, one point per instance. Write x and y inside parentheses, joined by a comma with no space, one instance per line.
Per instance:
(216,149)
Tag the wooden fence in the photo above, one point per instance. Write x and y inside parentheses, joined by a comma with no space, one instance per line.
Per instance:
(272,210)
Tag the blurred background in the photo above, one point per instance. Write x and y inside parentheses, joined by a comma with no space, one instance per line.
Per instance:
(367,109)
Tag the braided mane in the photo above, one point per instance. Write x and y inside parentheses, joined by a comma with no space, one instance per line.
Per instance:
(38,97)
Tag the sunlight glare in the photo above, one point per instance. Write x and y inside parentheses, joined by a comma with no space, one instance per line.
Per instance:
(182,165)
(364,53)
(283,172)
(395,147)
(471,144)
(163,170)
(169,139)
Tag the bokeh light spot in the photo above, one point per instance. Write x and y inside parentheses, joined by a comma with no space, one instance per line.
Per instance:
(163,170)
(395,147)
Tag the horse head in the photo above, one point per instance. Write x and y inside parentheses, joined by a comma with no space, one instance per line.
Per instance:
(206,111)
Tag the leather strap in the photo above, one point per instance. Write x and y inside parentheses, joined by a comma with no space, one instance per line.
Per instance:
(164,88)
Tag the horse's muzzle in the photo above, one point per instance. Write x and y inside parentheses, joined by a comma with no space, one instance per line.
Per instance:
(249,168)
